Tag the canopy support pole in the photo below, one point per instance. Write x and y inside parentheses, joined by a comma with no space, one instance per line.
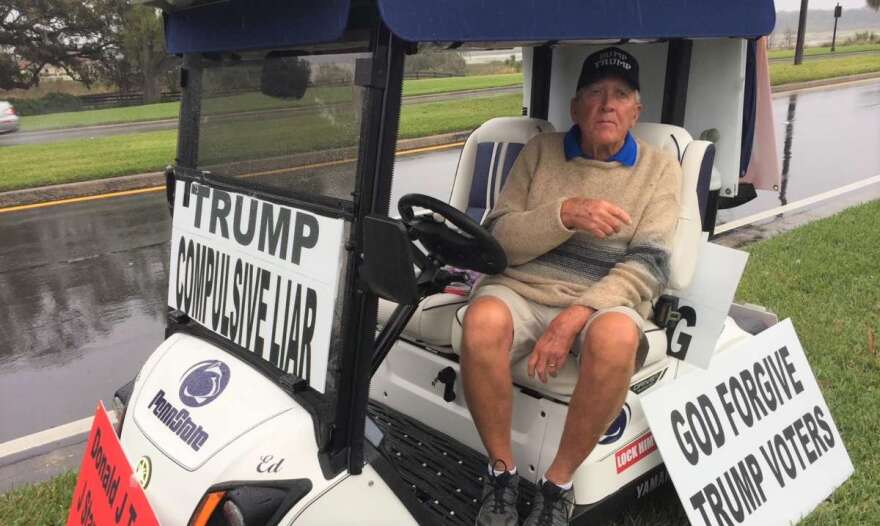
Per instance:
(539,103)
(375,163)
(678,69)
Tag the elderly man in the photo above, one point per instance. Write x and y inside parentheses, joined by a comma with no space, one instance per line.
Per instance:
(586,219)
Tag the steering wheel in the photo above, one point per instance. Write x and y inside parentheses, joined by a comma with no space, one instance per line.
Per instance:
(470,247)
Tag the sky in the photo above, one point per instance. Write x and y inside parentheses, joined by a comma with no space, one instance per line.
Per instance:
(795,5)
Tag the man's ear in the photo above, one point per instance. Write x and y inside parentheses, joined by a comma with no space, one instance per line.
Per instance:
(571,108)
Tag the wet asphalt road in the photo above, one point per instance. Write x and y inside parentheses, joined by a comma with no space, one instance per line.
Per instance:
(83,286)
(830,138)
(82,298)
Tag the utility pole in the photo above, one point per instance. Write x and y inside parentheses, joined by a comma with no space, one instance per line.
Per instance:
(837,12)
(802,29)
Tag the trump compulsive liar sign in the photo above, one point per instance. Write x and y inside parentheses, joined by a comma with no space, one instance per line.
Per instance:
(751,440)
(260,274)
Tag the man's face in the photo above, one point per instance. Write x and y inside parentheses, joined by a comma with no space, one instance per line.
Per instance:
(605,110)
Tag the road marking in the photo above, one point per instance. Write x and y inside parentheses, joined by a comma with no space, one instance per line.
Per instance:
(49,436)
(71,200)
(19,208)
(824,196)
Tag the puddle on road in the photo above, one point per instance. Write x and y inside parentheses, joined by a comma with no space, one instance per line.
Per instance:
(827,139)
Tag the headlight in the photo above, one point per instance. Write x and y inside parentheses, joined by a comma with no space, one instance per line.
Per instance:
(250,504)
(120,404)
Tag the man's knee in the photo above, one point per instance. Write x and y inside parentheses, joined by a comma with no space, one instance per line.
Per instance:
(613,339)
(487,320)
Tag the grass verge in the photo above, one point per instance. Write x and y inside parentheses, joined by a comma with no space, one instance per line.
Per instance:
(779,73)
(89,159)
(27,166)
(823,69)
(823,50)
(833,311)
(824,276)
(253,101)
(42,504)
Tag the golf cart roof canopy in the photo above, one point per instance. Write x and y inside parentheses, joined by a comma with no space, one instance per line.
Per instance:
(259,24)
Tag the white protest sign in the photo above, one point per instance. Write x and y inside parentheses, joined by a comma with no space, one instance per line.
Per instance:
(262,275)
(751,440)
(705,303)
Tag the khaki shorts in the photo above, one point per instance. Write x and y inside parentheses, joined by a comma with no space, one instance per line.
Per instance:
(531,319)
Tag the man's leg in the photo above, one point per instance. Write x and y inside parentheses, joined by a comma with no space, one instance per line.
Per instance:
(607,363)
(485,372)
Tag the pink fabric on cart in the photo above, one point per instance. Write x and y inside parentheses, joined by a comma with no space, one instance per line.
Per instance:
(763,171)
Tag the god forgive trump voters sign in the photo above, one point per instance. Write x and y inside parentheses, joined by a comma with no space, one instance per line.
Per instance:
(751,440)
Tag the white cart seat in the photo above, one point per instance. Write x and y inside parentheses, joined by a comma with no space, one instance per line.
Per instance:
(483,167)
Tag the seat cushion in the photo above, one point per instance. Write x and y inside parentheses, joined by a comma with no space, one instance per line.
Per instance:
(432,320)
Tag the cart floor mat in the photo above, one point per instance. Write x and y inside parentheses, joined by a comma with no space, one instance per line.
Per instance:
(445,475)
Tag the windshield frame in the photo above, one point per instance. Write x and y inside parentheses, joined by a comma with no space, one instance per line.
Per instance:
(191,113)
(339,432)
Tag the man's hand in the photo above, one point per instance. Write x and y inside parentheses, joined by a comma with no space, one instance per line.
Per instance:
(551,351)
(596,216)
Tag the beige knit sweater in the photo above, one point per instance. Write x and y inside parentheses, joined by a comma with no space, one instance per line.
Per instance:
(552,265)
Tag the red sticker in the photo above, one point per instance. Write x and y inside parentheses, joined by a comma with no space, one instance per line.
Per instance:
(631,453)
(106,493)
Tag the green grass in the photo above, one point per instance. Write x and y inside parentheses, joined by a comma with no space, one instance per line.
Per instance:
(823,50)
(87,159)
(823,69)
(27,166)
(33,165)
(780,73)
(149,112)
(254,101)
(825,277)
(426,86)
(43,504)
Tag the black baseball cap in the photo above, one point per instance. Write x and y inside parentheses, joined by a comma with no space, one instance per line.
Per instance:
(609,62)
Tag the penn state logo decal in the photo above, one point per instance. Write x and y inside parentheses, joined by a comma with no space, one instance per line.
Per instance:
(616,429)
(203,382)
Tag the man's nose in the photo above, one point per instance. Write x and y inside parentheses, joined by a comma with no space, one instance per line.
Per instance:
(606,101)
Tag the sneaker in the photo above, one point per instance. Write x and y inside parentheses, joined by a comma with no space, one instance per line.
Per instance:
(500,493)
(553,506)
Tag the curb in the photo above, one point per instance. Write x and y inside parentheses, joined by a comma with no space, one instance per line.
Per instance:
(41,194)
(41,442)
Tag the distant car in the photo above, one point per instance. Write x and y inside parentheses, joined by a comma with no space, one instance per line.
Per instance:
(8,118)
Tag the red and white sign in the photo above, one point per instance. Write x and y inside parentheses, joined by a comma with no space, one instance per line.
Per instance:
(106,493)
(630,454)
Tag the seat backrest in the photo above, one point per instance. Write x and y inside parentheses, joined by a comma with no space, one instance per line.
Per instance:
(486,160)
(696,158)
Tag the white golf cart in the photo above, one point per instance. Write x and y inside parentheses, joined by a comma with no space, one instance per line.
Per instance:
(275,399)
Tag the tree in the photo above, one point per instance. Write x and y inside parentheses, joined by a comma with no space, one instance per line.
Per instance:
(873,4)
(142,41)
(74,35)
(788,38)
(436,60)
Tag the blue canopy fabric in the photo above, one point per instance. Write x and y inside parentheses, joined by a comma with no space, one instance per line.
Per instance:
(261,24)
(544,20)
